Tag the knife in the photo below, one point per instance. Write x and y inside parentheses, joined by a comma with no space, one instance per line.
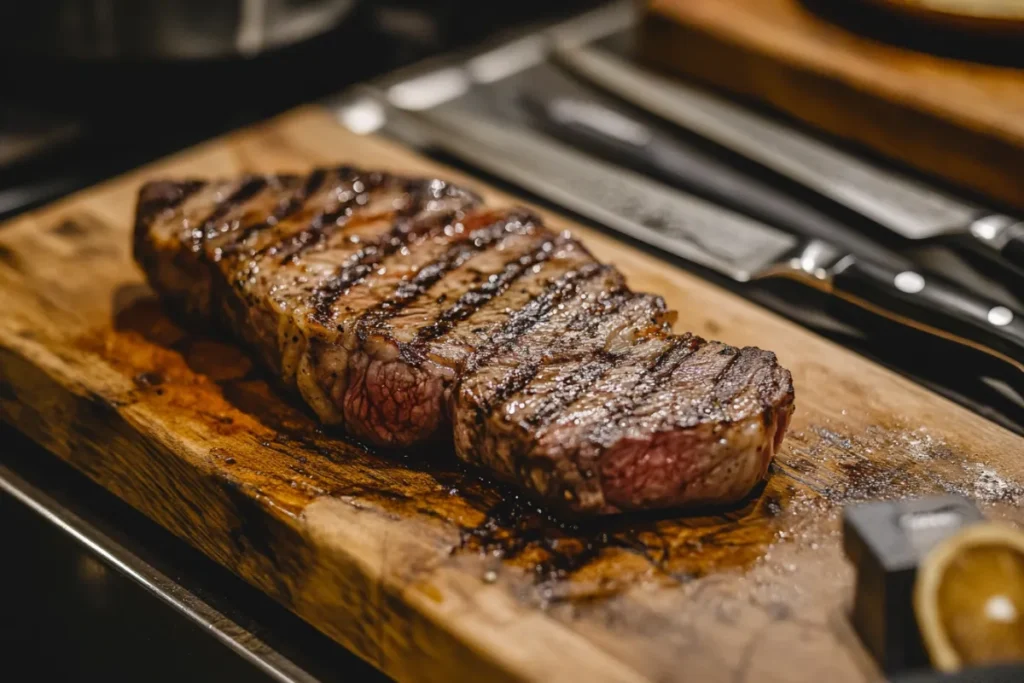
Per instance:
(733,245)
(891,199)
(598,123)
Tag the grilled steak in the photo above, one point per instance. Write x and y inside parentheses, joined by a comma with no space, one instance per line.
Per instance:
(404,310)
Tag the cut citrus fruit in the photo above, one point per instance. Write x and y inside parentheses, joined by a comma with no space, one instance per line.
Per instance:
(969,597)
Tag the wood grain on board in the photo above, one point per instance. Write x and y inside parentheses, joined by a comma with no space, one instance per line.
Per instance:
(960,120)
(422,568)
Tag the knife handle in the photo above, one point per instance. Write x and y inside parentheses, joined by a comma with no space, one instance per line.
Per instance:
(1013,250)
(1003,235)
(933,305)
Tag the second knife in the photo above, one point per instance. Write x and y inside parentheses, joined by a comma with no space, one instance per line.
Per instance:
(893,200)
(596,123)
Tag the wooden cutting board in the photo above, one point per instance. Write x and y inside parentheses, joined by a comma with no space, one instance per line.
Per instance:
(421,568)
(960,120)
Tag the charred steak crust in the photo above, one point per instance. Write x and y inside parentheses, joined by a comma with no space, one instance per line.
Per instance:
(403,310)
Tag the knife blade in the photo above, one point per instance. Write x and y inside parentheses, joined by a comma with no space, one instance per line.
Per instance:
(891,199)
(600,124)
(731,244)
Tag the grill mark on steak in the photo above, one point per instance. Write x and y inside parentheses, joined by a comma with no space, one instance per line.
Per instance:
(493,286)
(696,371)
(514,382)
(456,255)
(737,379)
(364,261)
(288,235)
(510,385)
(185,190)
(672,356)
(733,378)
(237,222)
(248,189)
(284,210)
(584,321)
(409,225)
(571,389)
(320,227)
(705,409)
(160,196)
(556,291)
(157,198)
(711,399)
(529,315)
(295,240)
(313,183)
(324,225)
(587,322)
(609,303)
(571,381)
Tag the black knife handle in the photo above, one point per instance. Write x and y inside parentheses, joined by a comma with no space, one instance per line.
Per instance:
(1013,250)
(1002,236)
(929,303)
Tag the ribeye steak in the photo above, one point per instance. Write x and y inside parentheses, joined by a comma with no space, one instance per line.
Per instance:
(404,310)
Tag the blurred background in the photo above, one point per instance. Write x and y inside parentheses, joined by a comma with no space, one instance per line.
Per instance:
(891,129)
(92,88)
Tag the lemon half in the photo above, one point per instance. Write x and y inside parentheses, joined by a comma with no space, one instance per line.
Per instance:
(969,597)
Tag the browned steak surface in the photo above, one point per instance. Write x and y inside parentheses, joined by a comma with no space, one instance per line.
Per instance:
(403,310)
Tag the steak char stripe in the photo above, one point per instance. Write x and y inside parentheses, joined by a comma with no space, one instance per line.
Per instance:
(458,254)
(588,375)
(289,245)
(248,189)
(518,324)
(522,320)
(172,196)
(161,198)
(405,229)
(567,392)
(364,261)
(323,226)
(544,369)
(326,216)
(492,286)
(286,208)
(555,294)
(671,358)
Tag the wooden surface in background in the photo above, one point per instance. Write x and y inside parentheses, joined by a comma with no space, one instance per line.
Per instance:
(421,568)
(983,17)
(956,119)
